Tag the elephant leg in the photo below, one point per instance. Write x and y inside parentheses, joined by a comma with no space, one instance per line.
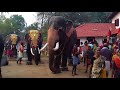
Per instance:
(40,57)
(15,52)
(51,60)
(70,62)
(37,59)
(64,62)
(57,63)
(70,59)
(53,63)
(29,62)
(69,55)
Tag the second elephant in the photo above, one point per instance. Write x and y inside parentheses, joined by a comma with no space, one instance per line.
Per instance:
(34,42)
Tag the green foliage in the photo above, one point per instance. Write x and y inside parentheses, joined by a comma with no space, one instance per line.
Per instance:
(44,31)
(18,23)
(15,23)
(33,26)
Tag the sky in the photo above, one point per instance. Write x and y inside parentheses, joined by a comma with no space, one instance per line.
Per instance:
(30,17)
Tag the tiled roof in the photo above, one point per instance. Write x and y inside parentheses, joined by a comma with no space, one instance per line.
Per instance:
(95,29)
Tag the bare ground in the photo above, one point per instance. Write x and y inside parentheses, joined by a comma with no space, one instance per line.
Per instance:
(41,71)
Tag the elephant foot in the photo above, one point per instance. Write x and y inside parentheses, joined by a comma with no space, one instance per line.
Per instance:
(29,63)
(64,68)
(70,64)
(56,71)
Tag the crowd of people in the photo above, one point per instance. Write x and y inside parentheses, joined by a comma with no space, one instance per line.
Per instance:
(99,60)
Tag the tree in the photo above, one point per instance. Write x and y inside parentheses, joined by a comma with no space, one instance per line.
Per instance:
(43,17)
(44,31)
(18,23)
(15,23)
(33,26)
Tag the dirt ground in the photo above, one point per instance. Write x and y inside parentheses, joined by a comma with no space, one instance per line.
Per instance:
(41,71)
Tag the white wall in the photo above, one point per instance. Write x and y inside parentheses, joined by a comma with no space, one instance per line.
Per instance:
(117,16)
(98,39)
(83,39)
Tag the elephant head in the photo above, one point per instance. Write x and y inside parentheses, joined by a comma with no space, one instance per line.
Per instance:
(56,32)
(11,42)
(13,38)
(34,39)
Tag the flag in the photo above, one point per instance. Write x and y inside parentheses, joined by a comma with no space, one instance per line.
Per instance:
(119,31)
(109,33)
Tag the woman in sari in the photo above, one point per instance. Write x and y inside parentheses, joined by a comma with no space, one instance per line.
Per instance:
(116,65)
(98,65)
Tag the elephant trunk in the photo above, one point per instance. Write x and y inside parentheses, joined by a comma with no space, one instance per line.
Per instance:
(53,45)
(51,61)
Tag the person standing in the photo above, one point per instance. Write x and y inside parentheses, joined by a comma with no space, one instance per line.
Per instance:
(75,59)
(20,53)
(85,48)
(108,54)
(98,65)
(81,50)
(89,56)
(116,65)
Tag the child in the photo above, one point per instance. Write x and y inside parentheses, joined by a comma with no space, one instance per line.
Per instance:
(75,59)
(20,53)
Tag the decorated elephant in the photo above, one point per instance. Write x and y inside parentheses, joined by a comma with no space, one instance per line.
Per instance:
(10,44)
(61,38)
(34,41)
(1,51)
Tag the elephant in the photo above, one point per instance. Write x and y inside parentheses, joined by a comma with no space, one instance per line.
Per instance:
(34,41)
(61,39)
(1,52)
(11,42)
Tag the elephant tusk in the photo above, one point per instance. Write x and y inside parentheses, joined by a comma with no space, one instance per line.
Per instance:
(39,50)
(56,46)
(31,51)
(43,47)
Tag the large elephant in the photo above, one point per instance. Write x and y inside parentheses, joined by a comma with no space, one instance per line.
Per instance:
(11,42)
(34,42)
(61,38)
(1,51)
